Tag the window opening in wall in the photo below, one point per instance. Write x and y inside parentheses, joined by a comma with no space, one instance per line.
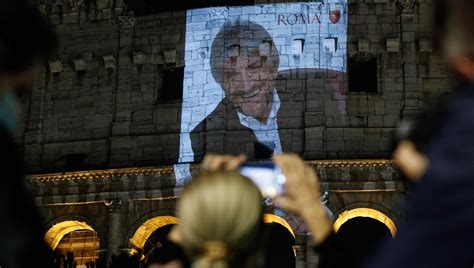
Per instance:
(171,85)
(363,75)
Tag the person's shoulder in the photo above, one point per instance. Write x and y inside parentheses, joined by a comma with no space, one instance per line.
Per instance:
(461,105)
(451,151)
(6,141)
(219,111)
(11,162)
(464,95)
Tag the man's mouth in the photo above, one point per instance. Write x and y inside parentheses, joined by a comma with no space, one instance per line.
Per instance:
(252,93)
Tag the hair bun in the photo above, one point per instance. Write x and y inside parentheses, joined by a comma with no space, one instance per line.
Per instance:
(215,250)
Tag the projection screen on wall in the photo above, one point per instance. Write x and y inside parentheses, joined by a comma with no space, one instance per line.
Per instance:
(256,76)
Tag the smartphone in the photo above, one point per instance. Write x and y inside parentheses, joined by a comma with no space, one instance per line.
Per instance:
(267,176)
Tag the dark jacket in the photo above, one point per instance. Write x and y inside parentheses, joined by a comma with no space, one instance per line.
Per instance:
(21,230)
(438,229)
(301,92)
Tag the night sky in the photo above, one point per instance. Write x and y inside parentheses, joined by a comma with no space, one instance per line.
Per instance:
(144,7)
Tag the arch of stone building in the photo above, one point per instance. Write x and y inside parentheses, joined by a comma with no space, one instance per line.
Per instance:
(144,227)
(272,218)
(297,226)
(380,214)
(151,222)
(61,226)
(376,206)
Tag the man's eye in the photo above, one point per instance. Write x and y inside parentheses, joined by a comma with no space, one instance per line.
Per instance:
(236,95)
(234,76)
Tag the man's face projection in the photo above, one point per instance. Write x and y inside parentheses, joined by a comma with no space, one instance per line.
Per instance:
(248,83)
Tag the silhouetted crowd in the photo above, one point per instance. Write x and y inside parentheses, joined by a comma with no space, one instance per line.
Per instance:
(123,260)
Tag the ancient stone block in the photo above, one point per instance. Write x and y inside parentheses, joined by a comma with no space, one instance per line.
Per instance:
(364,45)
(102,4)
(169,55)
(353,134)
(109,61)
(313,119)
(297,47)
(393,45)
(138,58)
(425,45)
(334,134)
(80,65)
(55,66)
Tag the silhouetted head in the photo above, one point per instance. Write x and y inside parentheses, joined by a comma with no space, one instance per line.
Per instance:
(26,40)
(458,37)
(221,220)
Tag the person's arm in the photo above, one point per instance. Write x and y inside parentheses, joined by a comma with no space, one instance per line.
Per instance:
(302,186)
(410,161)
(302,195)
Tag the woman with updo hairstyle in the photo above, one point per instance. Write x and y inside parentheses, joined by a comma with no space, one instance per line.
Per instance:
(221,215)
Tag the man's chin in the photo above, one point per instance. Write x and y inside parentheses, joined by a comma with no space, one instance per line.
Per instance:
(253,114)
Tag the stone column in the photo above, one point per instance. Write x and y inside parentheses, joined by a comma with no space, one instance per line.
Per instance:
(300,251)
(33,128)
(312,259)
(120,142)
(114,235)
(412,83)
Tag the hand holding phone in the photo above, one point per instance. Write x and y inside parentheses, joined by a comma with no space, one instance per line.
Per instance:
(302,195)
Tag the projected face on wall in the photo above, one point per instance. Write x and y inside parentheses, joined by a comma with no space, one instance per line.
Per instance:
(247,70)
(257,76)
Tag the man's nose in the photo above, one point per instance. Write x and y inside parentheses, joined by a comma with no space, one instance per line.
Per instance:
(247,80)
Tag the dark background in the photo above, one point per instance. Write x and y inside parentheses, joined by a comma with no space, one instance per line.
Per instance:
(145,7)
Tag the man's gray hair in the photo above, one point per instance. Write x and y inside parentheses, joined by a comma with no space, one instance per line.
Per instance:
(235,37)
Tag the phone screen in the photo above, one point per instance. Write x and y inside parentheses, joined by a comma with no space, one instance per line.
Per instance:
(267,176)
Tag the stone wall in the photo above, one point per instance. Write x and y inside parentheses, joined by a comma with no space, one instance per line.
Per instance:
(122,200)
(97,103)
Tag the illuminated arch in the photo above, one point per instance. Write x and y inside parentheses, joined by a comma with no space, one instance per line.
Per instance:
(368,213)
(54,235)
(271,218)
(144,232)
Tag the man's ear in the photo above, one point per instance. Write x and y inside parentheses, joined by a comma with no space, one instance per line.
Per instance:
(465,67)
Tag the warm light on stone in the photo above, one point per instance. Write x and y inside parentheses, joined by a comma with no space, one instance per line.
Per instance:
(54,235)
(270,218)
(365,212)
(147,228)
